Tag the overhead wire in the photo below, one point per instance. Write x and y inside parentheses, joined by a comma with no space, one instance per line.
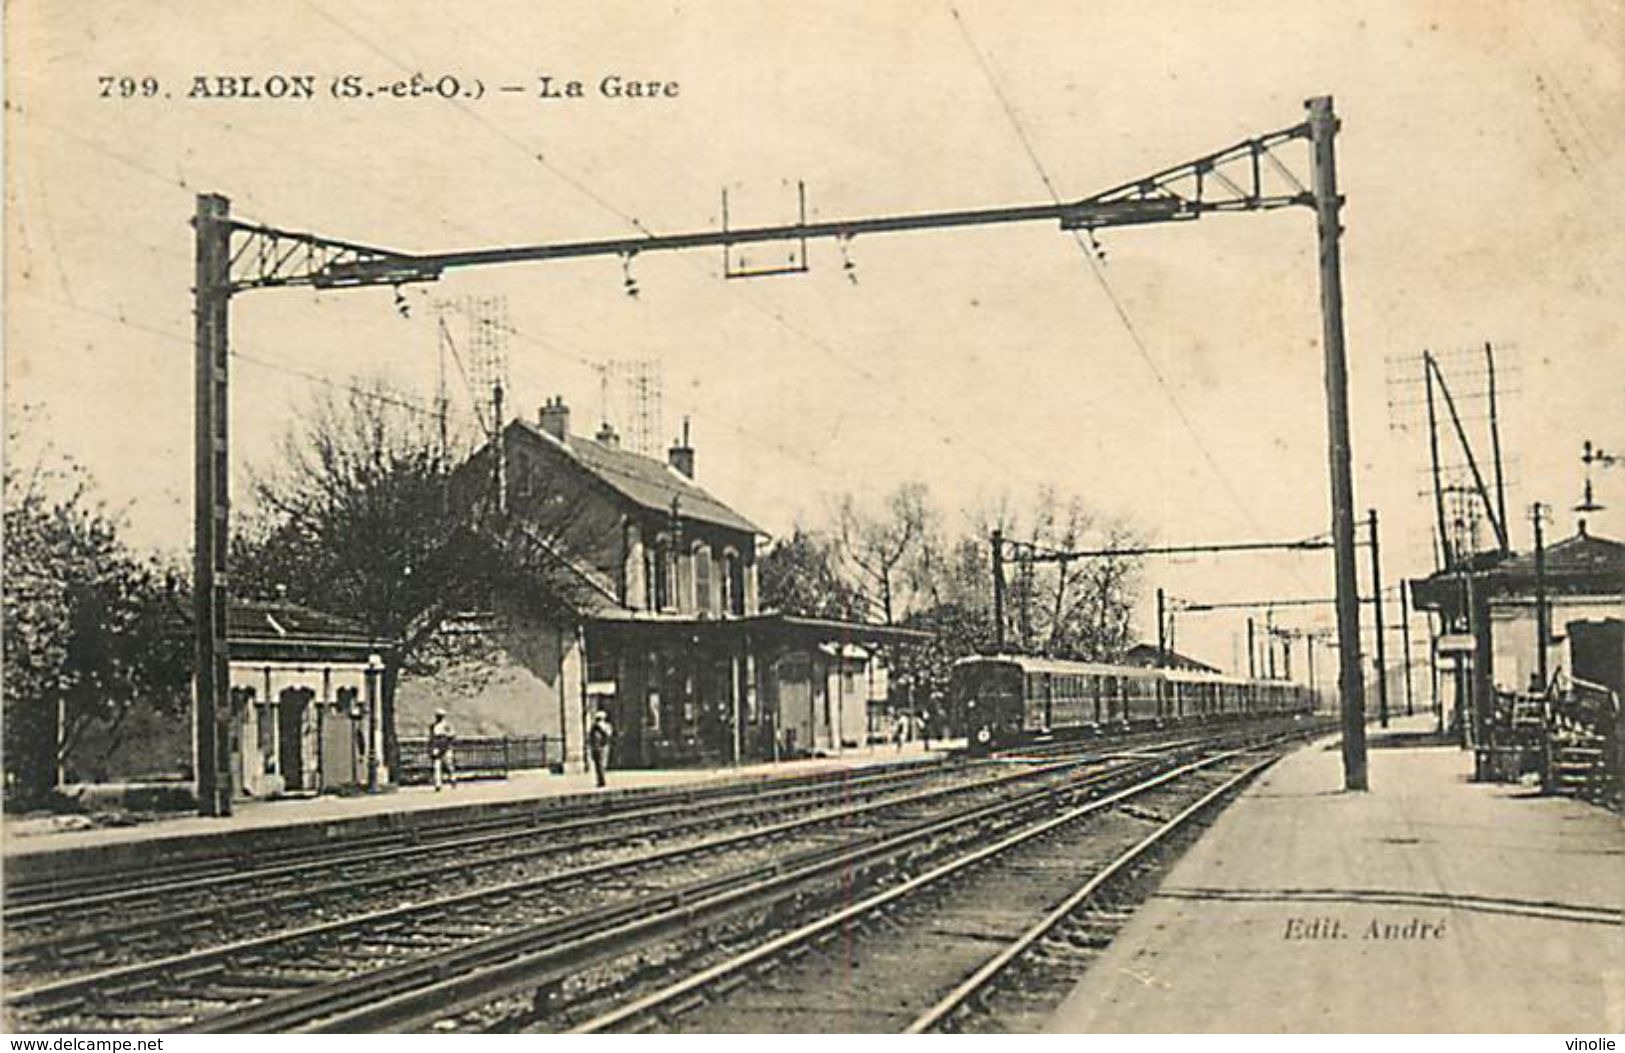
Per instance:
(1117,305)
(772,312)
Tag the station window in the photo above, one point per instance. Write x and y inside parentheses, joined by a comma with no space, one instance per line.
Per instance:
(702,577)
(733,584)
(662,584)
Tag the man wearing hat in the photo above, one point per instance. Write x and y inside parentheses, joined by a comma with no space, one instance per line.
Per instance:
(600,737)
(440,739)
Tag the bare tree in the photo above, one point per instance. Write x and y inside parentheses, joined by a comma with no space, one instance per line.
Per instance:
(1078,608)
(876,549)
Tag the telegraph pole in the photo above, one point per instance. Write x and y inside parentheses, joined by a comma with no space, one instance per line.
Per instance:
(1269,642)
(1162,642)
(1405,640)
(998,591)
(1328,204)
(211,507)
(1446,557)
(1495,438)
(1252,650)
(1542,614)
(1376,608)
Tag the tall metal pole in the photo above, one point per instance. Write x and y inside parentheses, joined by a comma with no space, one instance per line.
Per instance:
(1376,616)
(1446,557)
(1252,651)
(1405,641)
(1433,672)
(1162,643)
(1269,642)
(1495,448)
(1328,203)
(1542,614)
(998,591)
(211,295)
(499,448)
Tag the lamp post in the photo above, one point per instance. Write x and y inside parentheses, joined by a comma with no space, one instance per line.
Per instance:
(375,672)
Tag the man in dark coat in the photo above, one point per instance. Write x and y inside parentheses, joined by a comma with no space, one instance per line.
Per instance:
(599,739)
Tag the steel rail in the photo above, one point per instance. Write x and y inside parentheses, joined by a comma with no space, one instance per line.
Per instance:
(59,947)
(61,991)
(995,966)
(762,952)
(26,903)
(22,903)
(734,807)
(417,992)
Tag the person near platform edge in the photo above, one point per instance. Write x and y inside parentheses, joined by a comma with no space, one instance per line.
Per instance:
(599,738)
(441,738)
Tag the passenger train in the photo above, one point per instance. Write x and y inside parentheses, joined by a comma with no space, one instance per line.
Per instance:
(1002,700)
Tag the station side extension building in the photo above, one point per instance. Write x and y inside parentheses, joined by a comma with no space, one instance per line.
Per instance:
(667,636)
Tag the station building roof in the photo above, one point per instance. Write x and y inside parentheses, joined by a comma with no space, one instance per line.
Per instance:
(1580,565)
(645,481)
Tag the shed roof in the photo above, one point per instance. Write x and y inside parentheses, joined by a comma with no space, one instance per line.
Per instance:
(1582,555)
(1583,564)
(1146,654)
(296,623)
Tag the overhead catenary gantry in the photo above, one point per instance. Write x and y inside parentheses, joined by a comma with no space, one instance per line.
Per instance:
(234,257)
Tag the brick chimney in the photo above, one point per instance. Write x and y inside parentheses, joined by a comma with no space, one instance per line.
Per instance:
(556,418)
(607,435)
(681,454)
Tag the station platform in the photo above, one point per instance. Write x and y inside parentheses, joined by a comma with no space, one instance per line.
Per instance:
(33,848)
(1429,904)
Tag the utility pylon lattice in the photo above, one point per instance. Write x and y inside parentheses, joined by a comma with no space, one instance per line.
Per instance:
(475,331)
(1470,382)
(1448,392)
(633,395)
(488,329)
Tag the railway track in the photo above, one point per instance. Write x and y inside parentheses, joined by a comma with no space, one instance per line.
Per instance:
(90,892)
(42,903)
(62,928)
(276,973)
(916,956)
(104,925)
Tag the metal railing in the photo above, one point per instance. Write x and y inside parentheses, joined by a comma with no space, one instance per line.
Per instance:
(482,757)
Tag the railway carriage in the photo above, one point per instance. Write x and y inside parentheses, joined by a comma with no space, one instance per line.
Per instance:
(1005,699)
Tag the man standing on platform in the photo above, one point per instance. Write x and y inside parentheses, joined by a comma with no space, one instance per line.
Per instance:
(440,743)
(599,738)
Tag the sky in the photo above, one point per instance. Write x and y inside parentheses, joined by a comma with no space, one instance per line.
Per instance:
(1178,385)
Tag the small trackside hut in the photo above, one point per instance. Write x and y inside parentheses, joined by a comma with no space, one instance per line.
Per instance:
(300,693)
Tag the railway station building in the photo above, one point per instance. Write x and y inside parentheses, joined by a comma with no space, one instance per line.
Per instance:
(1491,646)
(665,633)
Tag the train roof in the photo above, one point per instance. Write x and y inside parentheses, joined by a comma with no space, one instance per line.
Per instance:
(1063,666)
(1067,667)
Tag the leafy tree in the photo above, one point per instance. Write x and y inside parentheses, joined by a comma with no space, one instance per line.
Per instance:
(366,516)
(93,632)
(799,575)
